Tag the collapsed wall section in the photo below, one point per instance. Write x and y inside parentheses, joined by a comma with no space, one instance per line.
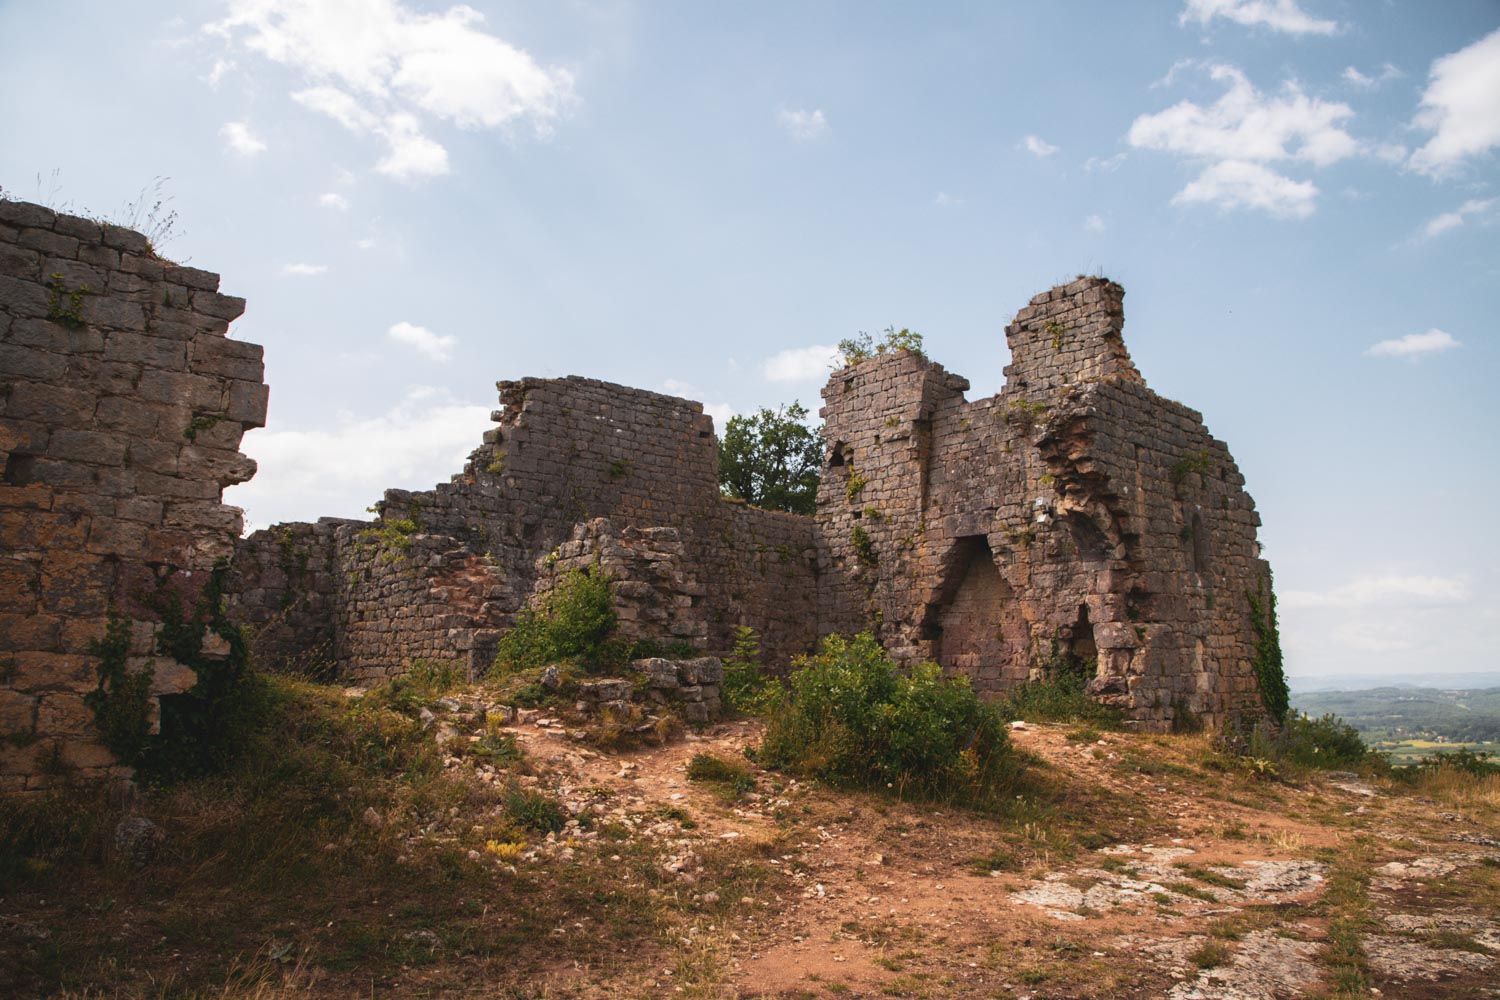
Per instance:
(122,405)
(1077,521)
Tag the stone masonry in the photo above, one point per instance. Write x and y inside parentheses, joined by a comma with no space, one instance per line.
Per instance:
(1076,521)
(122,404)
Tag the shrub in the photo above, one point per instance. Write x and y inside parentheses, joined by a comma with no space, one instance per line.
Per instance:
(747,689)
(574,623)
(714,770)
(855,719)
(1327,743)
(1058,697)
(534,811)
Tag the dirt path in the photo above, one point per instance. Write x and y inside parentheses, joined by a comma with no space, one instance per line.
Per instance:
(1191,884)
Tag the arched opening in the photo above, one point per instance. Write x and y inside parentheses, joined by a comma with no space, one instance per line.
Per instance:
(974,615)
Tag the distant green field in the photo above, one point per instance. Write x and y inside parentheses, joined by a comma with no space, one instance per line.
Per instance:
(1411,724)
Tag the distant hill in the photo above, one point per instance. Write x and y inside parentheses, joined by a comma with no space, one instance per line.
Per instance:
(1469,680)
(1411,713)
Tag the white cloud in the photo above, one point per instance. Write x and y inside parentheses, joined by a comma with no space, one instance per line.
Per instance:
(1245,124)
(338,471)
(1278,15)
(1107,165)
(1243,131)
(412,154)
(1094,224)
(1237,184)
(803,125)
(1454,219)
(424,340)
(1037,146)
(1383,590)
(239,140)
(305,270)
(1414,345)
(376,67)
(721,412)
(797,364)
(1461,106)
(216,75)
(333,199)
(945,200)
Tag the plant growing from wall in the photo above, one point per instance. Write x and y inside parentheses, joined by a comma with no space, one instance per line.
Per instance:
(863,346)
(1058,333)
(392,537)
(1023,413)
(121,702)
(65,308)
(1193,462)
(1269,675)
(864,547)
(201,422)
(855,486)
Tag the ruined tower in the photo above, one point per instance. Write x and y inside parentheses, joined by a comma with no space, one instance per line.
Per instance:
(1075,521)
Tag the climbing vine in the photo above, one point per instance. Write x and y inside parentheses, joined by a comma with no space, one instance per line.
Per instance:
(1267,662)
(122,702)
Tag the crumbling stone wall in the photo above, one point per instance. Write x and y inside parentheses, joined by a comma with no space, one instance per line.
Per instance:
(1075,519)
(122,405)
(575,470)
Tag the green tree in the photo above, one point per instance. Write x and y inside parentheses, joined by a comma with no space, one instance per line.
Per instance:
(771,459)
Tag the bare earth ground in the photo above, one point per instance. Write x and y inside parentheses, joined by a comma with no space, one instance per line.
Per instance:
(875,898)
(1130,866)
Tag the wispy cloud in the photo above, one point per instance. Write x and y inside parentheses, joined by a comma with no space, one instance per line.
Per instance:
(1037,146)
(1452,220)
(426,342)
(379,68)
(803,126)
(1278,15)
(334,200)
(1094,223)
(238,139)
(945,200)
(798,364)
(1414,345)
(1358,79)
(1104,165)
(1461,107)
(1242,132)
(1381,590)
(305,270)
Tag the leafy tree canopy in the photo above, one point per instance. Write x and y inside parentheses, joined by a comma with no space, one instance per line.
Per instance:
(771,459)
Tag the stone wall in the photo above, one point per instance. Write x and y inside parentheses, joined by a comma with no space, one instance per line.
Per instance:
(122,405)
(1077,518)
(575,470)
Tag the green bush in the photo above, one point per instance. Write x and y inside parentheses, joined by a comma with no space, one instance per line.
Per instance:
(535,811)
(747,690)
(575,624)
(1059,697)
(1327,743)
(422,684)
(855,719)
(1477,763)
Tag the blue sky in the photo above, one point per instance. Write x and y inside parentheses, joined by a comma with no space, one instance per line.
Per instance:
(419,198)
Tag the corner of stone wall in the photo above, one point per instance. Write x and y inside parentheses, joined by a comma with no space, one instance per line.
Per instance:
(122,405)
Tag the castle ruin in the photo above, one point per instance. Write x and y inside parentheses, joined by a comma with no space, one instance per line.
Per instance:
(1075,521)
